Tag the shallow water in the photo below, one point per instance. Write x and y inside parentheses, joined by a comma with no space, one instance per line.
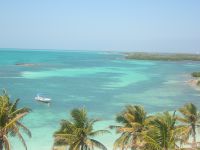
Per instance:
(102,82)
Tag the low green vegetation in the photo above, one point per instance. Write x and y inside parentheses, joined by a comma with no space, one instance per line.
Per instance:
(196,74)
(162,56)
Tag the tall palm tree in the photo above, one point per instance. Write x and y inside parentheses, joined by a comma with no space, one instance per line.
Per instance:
(10,116)
(162,133)
(133,122)
(78,134)
(191,120)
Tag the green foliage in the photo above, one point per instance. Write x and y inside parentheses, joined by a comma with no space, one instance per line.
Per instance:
(190,118)
(163,131)
(134,122)
(196,74)
(162,56)
(10,116)
(78,134)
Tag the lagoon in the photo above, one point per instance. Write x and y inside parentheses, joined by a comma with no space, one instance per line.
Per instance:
(102,82)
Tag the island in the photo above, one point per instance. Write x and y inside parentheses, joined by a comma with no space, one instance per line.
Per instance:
(196,74)
(168,57)
(162,56)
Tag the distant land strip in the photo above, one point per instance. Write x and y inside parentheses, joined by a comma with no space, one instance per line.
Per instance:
(162,56)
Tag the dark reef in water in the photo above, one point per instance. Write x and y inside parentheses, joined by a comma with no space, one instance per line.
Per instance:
(26,64)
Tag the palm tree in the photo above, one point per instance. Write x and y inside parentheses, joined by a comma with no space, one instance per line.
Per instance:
(191,121)
(10,116)
(162,134)
(133,122)
(78,134)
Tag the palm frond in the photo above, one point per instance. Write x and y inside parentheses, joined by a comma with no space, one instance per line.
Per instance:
(14,106)
(98,132)
(98,144)
(79,116)
(22,139)
(24,128)
(13,121)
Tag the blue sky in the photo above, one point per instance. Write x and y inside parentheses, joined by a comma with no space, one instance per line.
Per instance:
(138,25)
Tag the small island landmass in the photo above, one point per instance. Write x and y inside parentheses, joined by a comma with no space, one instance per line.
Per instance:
(162,56)
(195,81)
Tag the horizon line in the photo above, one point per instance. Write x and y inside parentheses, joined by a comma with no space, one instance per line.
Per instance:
(84,50)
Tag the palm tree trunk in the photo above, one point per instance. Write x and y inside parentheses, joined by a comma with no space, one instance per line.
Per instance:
(81,146)
(133,146)
(194,137)
(1,144)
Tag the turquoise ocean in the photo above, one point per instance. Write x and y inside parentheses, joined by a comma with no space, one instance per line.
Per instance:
(102,82)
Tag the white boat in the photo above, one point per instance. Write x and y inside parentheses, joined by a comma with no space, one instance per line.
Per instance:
(42,99)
